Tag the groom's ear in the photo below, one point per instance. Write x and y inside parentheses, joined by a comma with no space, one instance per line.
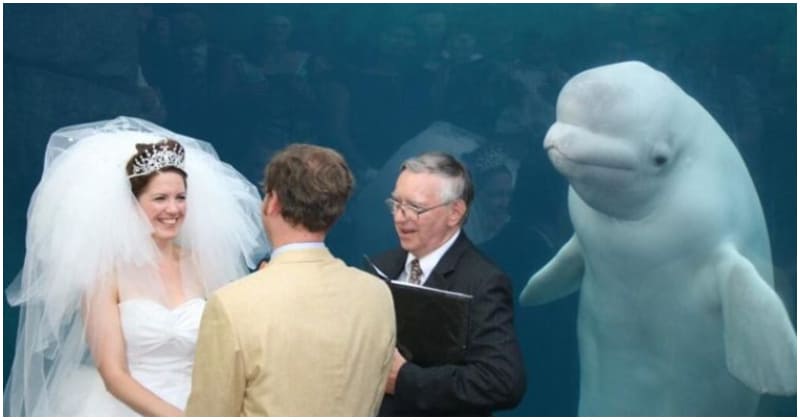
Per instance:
(271,204)
(264,206)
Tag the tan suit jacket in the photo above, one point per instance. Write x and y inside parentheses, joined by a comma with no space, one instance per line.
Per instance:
(306,336)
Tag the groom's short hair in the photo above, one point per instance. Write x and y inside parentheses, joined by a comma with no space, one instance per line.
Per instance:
(312,183)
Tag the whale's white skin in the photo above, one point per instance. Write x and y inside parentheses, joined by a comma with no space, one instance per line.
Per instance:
(677,312)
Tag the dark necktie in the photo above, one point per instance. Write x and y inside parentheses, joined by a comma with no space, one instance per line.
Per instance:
(415,276)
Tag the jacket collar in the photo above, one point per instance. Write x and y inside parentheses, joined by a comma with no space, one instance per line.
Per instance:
(440,277)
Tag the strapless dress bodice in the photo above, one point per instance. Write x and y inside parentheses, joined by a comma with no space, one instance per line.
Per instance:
(160,345)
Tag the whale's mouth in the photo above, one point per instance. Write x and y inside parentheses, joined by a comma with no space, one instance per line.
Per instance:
(563,161)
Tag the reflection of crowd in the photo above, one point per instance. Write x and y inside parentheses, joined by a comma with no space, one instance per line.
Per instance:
(267,93)
(368,96)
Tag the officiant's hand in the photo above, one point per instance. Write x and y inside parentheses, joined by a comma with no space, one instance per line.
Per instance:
(397,363)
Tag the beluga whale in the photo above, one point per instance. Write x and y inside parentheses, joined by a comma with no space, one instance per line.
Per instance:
(677,312)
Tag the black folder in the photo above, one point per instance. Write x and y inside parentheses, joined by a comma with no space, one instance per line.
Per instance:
(432,324)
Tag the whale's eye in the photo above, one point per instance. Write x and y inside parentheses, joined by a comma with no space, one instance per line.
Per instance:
(660,160)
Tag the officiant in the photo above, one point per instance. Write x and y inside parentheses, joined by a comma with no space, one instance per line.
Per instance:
(429,206)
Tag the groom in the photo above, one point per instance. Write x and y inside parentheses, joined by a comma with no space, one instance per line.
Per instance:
(307,335)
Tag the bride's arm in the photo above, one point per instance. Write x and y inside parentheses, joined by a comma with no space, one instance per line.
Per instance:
(104,335)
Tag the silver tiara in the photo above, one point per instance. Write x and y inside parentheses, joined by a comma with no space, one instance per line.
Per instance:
(162,156)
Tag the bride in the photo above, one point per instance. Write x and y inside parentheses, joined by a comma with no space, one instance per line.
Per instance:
(130,227)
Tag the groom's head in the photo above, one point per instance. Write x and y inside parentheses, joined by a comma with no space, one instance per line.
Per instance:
(306,187)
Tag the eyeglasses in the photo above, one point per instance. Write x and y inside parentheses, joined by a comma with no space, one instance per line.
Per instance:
(394,205)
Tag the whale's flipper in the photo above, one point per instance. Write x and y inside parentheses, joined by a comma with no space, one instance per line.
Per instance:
(558,278)
(760,342)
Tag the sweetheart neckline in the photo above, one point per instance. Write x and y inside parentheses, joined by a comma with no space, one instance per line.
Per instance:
(166,308)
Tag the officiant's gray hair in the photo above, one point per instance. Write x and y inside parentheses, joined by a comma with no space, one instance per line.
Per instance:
(459,185)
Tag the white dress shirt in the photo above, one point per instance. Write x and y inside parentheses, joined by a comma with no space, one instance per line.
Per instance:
(429,261)
(296,247)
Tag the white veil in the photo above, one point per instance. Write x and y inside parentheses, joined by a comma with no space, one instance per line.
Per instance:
(85,228)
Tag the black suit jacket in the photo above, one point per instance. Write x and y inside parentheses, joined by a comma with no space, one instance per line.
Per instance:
(492,375)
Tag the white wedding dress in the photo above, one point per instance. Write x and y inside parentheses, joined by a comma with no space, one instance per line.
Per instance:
(85,232)
(160,345)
